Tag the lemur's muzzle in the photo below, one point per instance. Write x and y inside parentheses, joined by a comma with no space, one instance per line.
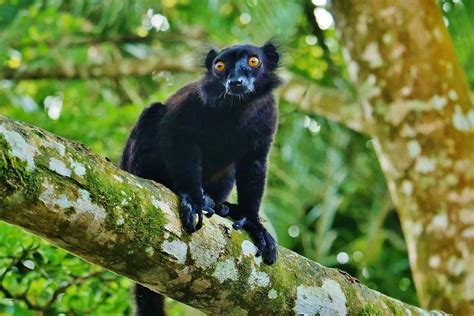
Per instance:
(236,86)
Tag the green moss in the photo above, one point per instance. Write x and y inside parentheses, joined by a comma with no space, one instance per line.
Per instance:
(371,309)
(70,211)
(142,222)
(353,299)
(14,175)
(394,308)
(235,246)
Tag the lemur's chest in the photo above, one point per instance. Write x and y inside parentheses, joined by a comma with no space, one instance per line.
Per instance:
(225,139)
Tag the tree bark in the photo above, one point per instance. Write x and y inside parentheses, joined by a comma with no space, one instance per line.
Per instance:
(117,69)
(81,202)
(416,97)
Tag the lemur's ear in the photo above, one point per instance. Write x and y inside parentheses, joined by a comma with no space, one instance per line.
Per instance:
(210,58)
(271,54)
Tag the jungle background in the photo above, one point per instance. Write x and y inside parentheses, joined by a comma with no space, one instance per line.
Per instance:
(85,70)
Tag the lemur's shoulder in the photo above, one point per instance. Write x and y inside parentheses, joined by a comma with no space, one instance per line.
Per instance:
(190,93)
(263,108)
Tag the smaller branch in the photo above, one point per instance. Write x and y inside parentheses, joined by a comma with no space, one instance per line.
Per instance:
(122,68)
(78,40)
(21,297)
(16,260)
(327,102)
(62,289)
(69,41)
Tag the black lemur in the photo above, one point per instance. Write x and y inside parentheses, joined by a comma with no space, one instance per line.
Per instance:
(211,134)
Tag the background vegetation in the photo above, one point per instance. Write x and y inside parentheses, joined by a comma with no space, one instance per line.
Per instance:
(79,69)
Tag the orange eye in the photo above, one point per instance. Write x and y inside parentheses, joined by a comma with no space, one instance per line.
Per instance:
(219,66)
(254,62)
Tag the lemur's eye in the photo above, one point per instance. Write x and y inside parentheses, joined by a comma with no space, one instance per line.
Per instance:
(254,62)
(219,66)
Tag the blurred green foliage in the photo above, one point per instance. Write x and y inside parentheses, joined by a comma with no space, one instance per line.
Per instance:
(326,195)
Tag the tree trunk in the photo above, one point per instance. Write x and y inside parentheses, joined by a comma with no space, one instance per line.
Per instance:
(59,190)
(416,96)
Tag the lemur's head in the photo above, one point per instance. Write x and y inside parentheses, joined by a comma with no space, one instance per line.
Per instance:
(243,71)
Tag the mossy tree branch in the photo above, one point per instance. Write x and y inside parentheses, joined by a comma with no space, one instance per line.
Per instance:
(81,202)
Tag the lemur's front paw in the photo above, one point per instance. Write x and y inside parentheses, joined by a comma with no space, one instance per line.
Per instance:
(266,245)
(189,209)
(209,206)
(222,210)
(231,210)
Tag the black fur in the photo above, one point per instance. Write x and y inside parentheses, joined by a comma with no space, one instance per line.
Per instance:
(208,136)
(148,302)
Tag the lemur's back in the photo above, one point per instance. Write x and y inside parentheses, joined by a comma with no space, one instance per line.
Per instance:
(141,156)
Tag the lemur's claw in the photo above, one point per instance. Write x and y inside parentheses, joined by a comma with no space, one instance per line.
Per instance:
(230,209)
(209,206)
(199,223)
(240,223)
(208,202)
(270,252)
(222,210)
(188,211)
(209,211)
(266,245)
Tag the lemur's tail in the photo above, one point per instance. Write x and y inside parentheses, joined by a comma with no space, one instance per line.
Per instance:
(149,303)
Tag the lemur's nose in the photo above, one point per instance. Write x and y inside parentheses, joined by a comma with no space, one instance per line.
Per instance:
(233,83)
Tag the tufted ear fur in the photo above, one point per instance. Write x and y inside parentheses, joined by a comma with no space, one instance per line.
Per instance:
(271,55)
(210,58)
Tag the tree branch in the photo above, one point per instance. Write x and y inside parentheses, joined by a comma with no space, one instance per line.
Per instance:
(327,102)
(81,202)
(81,40)
(116,69)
